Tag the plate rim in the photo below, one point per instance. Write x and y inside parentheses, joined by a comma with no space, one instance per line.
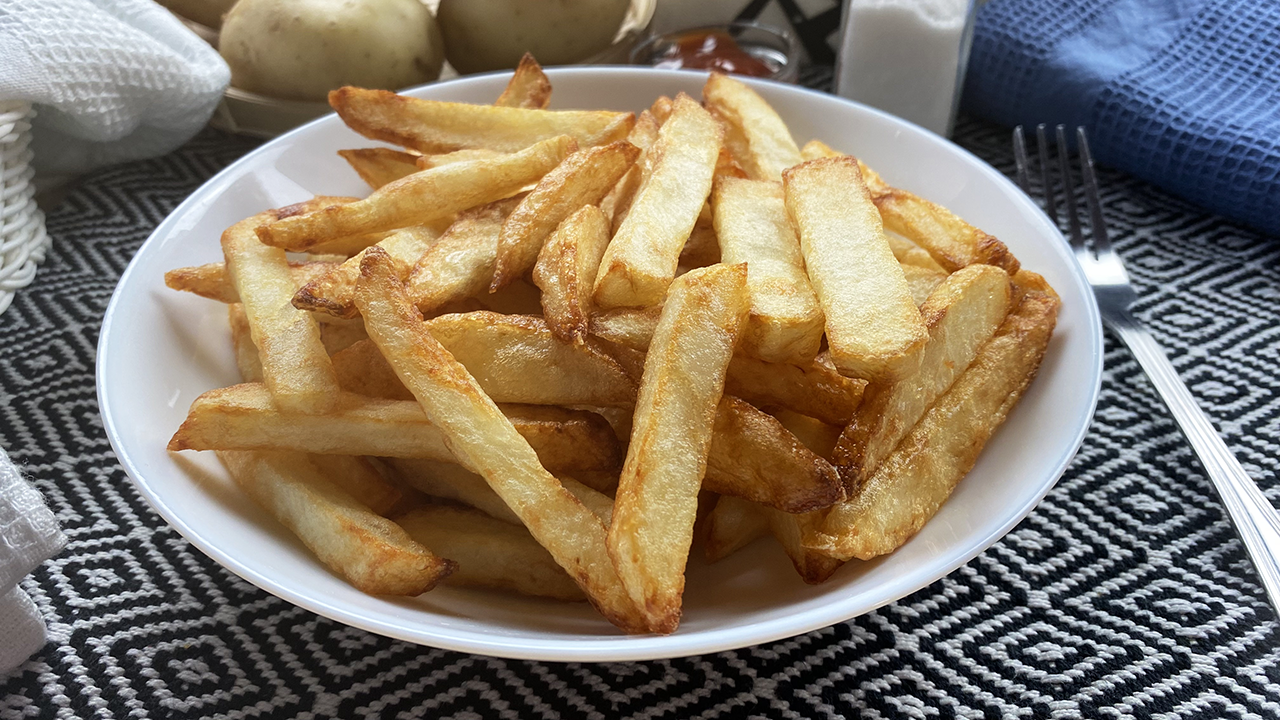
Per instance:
(604,647)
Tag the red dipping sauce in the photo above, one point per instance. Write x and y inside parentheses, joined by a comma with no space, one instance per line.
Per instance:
(710,50)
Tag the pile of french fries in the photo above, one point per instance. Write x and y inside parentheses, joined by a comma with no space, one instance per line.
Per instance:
(552,351)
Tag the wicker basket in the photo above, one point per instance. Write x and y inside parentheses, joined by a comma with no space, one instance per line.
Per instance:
(23,240)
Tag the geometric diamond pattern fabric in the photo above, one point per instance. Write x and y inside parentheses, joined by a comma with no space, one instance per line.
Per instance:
(1124,594)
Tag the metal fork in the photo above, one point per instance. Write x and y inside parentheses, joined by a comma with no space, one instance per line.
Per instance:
(1255,520)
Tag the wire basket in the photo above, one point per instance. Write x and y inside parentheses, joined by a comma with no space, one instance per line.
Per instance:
(23,240)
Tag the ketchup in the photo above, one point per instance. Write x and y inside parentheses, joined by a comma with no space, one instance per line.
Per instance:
(711,50)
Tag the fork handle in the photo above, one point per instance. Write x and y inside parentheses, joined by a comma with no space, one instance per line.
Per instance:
(1253,516)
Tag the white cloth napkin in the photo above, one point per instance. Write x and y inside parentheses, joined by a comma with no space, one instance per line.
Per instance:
(112,80)
(29,535)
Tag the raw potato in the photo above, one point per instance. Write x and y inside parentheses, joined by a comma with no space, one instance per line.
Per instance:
(302,49)
(482,35)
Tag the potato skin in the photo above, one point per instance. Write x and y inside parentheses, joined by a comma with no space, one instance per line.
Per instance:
(302,49)
(482,35)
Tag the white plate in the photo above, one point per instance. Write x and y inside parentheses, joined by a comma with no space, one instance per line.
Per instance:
(159,349)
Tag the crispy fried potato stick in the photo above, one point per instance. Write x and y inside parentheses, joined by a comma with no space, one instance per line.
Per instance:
(961,314)
(421,198)
(486,442)
(641,260)
(295,365)
(566,272)
(731,525)
(460,265)
(918,476)
(211,281)
(369,551)
(358,478)
(247,361)
(528,87)
(757,137)
(489,553)
(584,178)
(380,166)
(816,389)
(657,498)
(785,324)
(331,293)
(432,126)
(242,417)
(874,329)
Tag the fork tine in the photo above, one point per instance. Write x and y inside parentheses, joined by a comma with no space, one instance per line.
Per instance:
(1098,227)
(1069,191)
(1020,158)
(1046,184)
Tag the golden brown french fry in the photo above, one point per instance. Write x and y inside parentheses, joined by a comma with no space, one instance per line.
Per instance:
(362,370)
(815,149)
(242,417)
(331,293)
(295,365)
(211,281)
(757,137)
(454,482)
(485,441)
(460,264)
(657,498)
(961,314)
(814,434)
(952,242)
(661,109)
(752,456)
(813,566)
(785,324)
(516,358)
(618,201)
(731,525)
(922,281)
(528,87)
(338,334)
(641,260)
(566,271)
(910,254)
(584,178)
(369,551)
(247,361)
(816,389)
(874,329)
(421,198)
(918,476)
(426,162)
(380,166)
(489,553)
(629,327)
(357,477)
(432,126)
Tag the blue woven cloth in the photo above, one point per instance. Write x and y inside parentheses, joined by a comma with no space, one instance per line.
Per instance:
(1182,93)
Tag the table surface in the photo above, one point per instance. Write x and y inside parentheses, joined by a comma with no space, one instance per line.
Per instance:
(1125,593)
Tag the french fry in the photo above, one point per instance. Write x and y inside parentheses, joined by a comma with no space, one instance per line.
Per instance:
(661,109)
(757,137)
(952,242)
(961,314)
(247,361)
(460,265)
(380,166)
(752,456)
(243,417)
(566,272)
(813,566)
(874,329)
(337,334)
(516,358)
(657,496)
(432,126)
(641,260)
(528,87)
(369,551)
(489,553)
(211,280)
(618,201)
(910,485)
(295,365)
(421,198)
(628,327)
(426,162)
(814,434)
(331,293)
(358,478)
(922,281)
(584,178)
(785,324)
(454,482)
(486,442)
(362,370)
(816,389)
(731,525)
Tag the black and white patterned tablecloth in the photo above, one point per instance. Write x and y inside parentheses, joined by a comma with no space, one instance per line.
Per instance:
(1125,593)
